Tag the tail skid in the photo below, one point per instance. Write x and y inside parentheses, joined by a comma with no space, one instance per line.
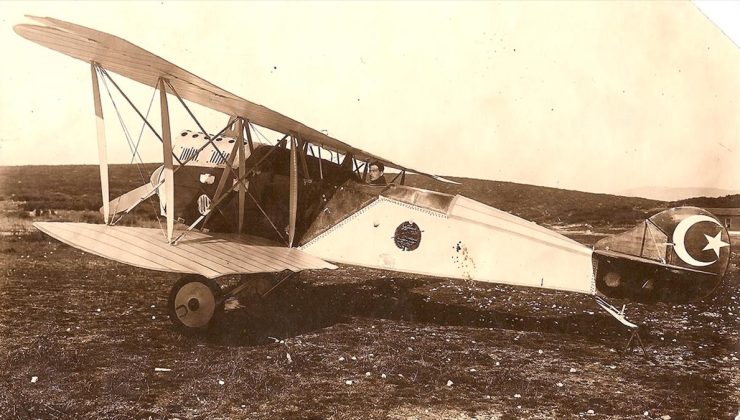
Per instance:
(620,316)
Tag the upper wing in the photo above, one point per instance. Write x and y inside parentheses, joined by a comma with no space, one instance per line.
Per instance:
(210,255)
(128,60)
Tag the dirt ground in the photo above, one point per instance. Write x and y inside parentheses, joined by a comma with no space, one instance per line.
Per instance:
(83,337)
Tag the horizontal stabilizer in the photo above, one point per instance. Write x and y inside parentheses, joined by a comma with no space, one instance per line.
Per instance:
(635,258)
(210,255)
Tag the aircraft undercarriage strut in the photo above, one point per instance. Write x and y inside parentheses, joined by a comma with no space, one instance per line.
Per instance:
(248,281)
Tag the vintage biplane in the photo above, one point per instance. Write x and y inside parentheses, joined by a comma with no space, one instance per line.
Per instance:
(235,204)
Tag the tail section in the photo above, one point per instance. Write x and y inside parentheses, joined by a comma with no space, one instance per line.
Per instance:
(678,255)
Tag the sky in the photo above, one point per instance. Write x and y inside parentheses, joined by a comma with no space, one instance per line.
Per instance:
(598,96)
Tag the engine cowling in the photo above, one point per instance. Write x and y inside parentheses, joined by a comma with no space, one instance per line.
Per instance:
(678,255)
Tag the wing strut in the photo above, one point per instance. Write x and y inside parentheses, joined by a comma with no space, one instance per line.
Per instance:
(224,173)
(293,202)
(169,184)
(321,171)
(102,152)
(302,151)
(242,170)
(249,136)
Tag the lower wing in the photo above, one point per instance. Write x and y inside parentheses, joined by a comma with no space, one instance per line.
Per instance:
(208,254)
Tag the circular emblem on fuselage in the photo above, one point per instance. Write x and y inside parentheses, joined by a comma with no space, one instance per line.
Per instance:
(204,204)
(407,236)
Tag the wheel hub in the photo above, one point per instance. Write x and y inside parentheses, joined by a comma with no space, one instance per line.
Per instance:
(193,304)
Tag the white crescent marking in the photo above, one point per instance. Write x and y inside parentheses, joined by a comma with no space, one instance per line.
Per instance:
(679,235)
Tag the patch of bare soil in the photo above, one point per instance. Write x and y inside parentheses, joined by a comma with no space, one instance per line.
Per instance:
(83,337)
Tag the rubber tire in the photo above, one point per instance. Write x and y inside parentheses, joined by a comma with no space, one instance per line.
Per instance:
(218,310)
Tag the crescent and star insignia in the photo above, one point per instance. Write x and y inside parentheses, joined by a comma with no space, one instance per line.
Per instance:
(679,237)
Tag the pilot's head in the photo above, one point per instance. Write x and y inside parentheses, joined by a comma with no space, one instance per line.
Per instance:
(376,170)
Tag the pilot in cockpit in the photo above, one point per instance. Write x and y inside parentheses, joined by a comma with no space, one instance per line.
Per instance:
(375,173)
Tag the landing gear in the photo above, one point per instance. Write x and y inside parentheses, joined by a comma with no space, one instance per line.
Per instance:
(259,285)
(193,303)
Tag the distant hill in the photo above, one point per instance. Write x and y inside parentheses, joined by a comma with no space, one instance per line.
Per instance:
(548,205)
(77,187)
(676,194)
(729,201)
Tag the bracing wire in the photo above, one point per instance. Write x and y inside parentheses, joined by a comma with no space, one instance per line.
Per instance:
(229,168)
(259,133)
(143,125)
(132,147)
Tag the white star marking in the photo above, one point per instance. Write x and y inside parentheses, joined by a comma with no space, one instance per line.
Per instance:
(715,243)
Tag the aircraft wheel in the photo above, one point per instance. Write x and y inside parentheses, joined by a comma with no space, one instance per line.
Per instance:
(193,303)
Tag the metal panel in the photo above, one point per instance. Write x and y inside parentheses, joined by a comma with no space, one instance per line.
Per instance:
(431,200)
(210,255)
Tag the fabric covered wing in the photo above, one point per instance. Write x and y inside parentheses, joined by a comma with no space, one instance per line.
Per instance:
(128,60)
(210,255)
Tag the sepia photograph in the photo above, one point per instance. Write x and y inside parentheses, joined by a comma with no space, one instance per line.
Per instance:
(370,210)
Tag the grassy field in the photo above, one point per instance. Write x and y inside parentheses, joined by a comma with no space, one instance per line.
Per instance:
(84,337)
(67,187)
